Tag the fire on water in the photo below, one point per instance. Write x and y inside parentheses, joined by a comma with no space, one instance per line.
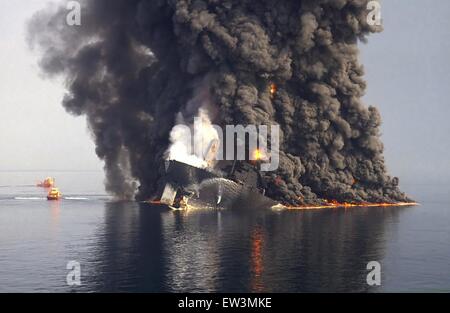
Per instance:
(337,205)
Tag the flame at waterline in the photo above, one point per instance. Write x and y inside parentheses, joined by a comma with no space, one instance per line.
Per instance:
(336,205)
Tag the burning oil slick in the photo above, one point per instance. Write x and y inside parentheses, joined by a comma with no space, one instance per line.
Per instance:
(138,68)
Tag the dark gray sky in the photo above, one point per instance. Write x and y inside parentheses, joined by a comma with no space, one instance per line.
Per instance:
(408,76)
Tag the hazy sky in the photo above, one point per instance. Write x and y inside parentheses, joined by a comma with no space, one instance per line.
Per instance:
(35,131)
(408,76)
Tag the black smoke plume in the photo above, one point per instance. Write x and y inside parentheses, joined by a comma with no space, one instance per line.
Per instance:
(134,65)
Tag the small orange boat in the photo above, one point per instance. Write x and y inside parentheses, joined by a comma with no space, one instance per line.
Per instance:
(47,183)
(54,195)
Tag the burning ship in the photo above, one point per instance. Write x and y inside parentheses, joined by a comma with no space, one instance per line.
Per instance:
(232,187)
(186,186)
(197,180)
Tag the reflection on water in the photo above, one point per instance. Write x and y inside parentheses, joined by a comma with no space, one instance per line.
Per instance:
(191,251)
(131,247)
(257,265)
(141,248)
(55,212)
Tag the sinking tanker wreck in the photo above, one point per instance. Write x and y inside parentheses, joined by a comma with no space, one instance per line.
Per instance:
(228,186)
(239,185)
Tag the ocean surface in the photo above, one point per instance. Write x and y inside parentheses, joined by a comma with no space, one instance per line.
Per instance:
(132,247)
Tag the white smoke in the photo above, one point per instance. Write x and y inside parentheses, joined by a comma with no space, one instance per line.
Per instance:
(197,144)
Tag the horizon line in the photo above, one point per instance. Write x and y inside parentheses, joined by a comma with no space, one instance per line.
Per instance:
(49,170)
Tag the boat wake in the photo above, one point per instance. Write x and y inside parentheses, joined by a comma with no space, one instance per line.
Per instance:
(76,198)
(35,198)
(16,186)
(29,198)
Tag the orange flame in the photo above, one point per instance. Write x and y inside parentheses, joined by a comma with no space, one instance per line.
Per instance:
(258,155)
(49,182)
(333,204)
(273,90)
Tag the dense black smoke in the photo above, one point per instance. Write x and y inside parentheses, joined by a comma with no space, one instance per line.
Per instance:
(133,65)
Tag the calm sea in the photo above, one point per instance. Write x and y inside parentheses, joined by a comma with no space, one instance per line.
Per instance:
(131,247)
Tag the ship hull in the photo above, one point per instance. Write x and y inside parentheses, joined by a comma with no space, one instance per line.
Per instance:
(211,190)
